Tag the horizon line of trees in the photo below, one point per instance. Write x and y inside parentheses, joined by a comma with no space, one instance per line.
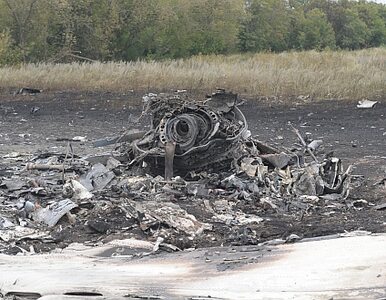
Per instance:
(67,30)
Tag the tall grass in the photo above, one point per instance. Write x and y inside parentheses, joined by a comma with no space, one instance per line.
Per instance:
(329,74)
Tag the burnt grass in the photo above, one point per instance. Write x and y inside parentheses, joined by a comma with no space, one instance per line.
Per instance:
(357,136)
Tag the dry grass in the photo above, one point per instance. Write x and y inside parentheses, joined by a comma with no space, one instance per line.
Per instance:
(329,74)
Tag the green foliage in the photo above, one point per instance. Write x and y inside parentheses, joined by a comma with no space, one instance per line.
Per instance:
(137,32)
(371,14)
(83,28)
(67,30)
(8,54)
(356,24)
(317,33)
(266,27)
(354,32)
(178,28)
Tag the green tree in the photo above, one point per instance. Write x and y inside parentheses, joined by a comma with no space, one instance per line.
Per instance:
(266,26)
(178,28)
(317,32)
(356,24)
(82,29)
(371,15)
(354,32)
(64,30)
(202,26)
(215,25)
(21,14)
(8,54)
(296,26)
(136,36)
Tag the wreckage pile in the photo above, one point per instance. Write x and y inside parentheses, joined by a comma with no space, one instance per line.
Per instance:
(196,178)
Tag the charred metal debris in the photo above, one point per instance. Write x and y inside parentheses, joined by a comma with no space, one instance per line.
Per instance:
(211,136)
(196,178)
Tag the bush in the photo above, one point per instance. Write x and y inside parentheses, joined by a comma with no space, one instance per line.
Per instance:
(9,55)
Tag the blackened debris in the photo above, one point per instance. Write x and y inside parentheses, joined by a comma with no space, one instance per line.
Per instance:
(196,178)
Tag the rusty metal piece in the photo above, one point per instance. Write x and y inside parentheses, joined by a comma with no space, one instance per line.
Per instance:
(44,167)
(170,149)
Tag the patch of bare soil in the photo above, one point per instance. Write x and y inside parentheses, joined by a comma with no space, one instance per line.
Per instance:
(42,123)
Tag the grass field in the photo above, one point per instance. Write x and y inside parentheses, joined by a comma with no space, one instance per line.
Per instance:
(320,75)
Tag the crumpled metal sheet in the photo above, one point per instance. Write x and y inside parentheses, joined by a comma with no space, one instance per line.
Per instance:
(97,178)
(51,214)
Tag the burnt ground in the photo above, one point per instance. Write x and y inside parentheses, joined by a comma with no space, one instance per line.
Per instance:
(357,136)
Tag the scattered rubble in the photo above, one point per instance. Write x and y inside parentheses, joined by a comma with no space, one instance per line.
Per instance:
(197,176)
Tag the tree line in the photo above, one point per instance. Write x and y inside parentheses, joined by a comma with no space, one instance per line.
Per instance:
(67,30)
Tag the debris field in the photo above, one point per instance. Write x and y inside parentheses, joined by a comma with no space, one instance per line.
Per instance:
(195,176)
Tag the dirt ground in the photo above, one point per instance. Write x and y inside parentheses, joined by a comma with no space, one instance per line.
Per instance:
(357,136)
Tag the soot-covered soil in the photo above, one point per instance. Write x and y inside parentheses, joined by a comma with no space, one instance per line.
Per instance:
(357,136)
